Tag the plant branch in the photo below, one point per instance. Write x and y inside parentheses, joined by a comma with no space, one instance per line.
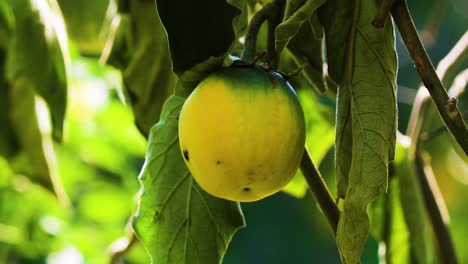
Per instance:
(320,191)
(273,21)
(436,210)
(250,45)
(273,12)
(382,13)
(458,88)
(447,69)
(446,106)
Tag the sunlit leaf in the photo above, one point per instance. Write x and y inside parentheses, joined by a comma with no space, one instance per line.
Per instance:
(38,55)
(177,221)
(362,60)
(34,139)
(87,23)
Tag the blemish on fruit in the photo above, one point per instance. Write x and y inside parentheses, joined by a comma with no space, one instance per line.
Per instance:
(218,162)
(246,189)
(186,155)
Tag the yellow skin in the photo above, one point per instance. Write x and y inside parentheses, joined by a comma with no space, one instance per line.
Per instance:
(242,133)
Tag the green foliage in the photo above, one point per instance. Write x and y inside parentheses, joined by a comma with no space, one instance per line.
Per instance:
(162,49)
(100,181)
(25,136)
(6,24)
(39,162)
(308,56)
(40,41)
(177,221)
(8,140)
(87,23)
(298,13)
(362,61)
(413,207)
(399,218)
(138,36)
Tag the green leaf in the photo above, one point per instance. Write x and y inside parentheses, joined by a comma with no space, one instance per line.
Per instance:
(362,60)
(6,24)
(141,50)
(399,219)
(413,205)
(86,23)
(38,161)
(9,145)
(191,78)
(239,23)
(298,12)
(388,226)
(307,52)
(38,55)
(176,220)
(117,50)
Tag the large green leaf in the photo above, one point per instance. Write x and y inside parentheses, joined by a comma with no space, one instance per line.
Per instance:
(140,49)
(362,60)
(176,220)
(38,55)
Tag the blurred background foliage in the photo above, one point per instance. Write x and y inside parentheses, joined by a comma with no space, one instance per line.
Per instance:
(102,153)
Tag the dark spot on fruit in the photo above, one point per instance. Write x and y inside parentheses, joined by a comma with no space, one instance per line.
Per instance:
(218,162)
(246,189)
(186,155)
